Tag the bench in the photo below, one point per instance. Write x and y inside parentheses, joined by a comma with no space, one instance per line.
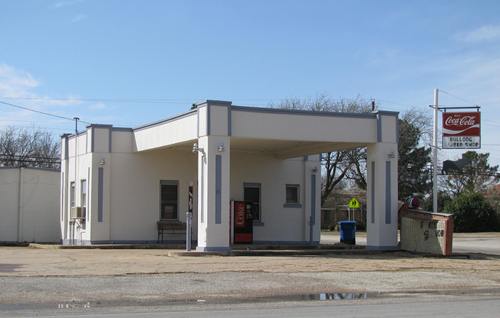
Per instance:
(170,227)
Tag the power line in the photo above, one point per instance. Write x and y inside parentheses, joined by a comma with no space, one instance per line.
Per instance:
(128,100)
(40,112)
(109,100)
(455,96)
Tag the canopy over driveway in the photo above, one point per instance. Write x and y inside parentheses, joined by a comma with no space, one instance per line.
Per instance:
(218,127)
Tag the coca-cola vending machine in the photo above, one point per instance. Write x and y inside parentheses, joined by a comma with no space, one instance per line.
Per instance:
(243,222)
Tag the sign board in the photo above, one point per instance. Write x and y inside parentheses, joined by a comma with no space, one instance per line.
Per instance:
(462,130)
(353,204)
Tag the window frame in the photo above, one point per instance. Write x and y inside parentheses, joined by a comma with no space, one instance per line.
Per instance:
(169,183)
(72,194)
(289,204)
(83,201)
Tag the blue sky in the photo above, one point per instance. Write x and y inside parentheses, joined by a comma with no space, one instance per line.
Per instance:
(99,55)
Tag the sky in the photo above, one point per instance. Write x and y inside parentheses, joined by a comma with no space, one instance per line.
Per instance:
(128,63)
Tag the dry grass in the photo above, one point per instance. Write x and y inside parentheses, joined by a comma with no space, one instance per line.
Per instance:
(22,261)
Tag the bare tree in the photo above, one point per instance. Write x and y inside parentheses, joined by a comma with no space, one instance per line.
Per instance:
(337,165)
(28,148)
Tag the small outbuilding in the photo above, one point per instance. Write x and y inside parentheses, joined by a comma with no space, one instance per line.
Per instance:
(29,205)
(253,174)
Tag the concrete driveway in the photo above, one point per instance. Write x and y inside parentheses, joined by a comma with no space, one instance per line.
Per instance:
(487,243)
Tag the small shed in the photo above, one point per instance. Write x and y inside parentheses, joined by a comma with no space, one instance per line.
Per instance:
(29,205)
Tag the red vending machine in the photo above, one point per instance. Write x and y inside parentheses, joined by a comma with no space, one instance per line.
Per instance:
(243,222)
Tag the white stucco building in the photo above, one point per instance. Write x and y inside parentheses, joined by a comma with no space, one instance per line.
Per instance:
(29,205)
(130,179)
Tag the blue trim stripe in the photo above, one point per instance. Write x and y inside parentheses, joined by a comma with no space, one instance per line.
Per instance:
(100,194)
(388,197)
(218,189)
(202,193)
(66,148)
(229,122)
(311,113)
(313,207)
(372,192)
(379,128)
(208,119)
(398,129)
(219,249)
(92,139)
(110,143)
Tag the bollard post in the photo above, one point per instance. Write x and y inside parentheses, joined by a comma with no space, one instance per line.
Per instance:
(189,220)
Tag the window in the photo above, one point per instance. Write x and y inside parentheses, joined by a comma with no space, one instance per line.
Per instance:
(292,195)
(251,194)
(168,200)
(72,202)
(83,200)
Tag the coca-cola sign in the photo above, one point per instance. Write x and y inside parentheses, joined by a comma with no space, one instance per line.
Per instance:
(462,130)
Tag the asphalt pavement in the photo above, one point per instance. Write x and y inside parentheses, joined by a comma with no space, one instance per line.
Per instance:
(421,306)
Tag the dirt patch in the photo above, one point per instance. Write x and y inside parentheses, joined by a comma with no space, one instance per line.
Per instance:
(60,262)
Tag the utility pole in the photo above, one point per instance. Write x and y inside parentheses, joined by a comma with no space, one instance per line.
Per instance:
(435,152)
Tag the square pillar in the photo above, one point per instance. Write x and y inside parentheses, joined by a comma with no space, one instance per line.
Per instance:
(382,196)
(312,199)
(214,131)
(213,194)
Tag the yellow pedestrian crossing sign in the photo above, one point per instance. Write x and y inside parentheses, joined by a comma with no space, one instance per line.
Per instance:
(354,204)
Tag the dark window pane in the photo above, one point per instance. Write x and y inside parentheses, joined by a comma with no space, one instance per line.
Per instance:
(168,201)
(292,194)
(252,195)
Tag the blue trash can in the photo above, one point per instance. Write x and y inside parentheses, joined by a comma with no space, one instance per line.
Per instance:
(347,231)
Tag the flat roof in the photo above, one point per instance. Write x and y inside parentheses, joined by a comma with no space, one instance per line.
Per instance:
(254,109)
(270,110)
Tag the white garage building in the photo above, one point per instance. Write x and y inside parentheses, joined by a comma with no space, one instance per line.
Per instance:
(130,181)
(29,205)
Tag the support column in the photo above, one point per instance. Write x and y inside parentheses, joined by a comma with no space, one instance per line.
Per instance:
(214,133)
(312,199)
(382,185)
(382,196)
(64,214)
(99,208)
(213,193)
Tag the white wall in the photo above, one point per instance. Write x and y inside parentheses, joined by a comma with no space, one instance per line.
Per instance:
(76,171)
(132,191)
(171,132)
(135,190)
(9,192)
(31,214)
(279,223)
(265,125)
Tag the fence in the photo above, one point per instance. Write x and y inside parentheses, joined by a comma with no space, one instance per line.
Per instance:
(331,216)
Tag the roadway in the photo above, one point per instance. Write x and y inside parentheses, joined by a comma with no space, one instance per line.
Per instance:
(440,306)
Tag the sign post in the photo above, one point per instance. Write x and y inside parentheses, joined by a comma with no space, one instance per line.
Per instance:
(352,205)
(435,153)
(461,130)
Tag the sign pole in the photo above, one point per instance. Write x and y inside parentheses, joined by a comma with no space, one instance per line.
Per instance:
(435,153)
